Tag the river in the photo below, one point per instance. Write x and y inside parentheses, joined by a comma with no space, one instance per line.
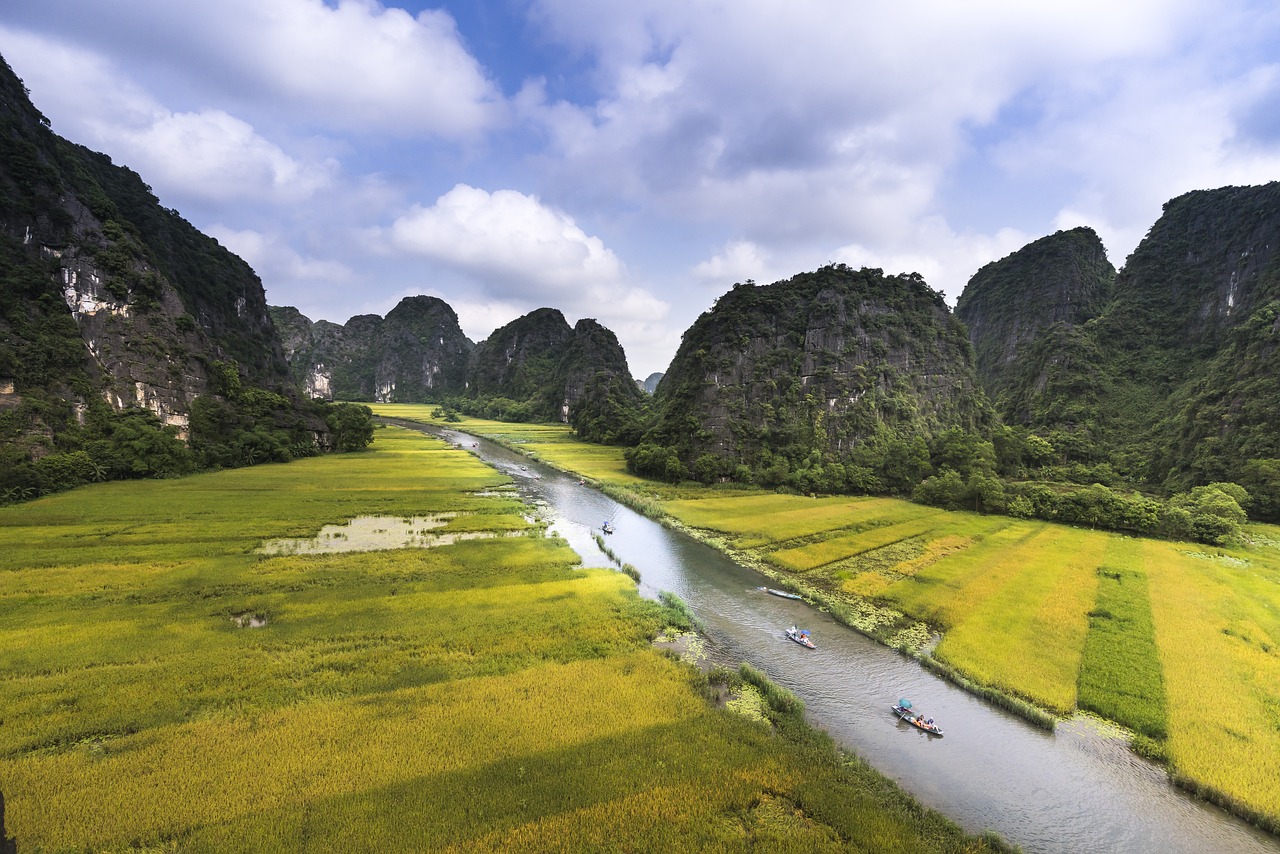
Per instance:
(1078,789)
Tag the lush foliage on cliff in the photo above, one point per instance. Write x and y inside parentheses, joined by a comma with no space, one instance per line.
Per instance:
(833,380)
(112,308)
(1172,382)
(537,368)
(1038,294)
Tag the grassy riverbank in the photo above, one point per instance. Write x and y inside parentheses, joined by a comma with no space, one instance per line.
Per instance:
(1176,641)
(169,686)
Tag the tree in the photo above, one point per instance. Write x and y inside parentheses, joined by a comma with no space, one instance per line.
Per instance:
(1212,515)
(350,426)
(945,489)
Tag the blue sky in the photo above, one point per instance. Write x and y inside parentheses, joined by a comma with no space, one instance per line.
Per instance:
(631,161)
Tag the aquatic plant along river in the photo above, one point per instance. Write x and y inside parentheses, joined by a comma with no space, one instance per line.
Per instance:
(1077,789)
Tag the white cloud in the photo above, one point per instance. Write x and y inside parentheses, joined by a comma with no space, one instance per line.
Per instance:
(738,261)
(521,250)
(349,65)
(518,254)
(217,157)
(271,257)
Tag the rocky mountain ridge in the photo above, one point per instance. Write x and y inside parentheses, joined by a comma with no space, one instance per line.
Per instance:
(1171,376)
(535,367)
(108,297)
(417,352)
(819,363)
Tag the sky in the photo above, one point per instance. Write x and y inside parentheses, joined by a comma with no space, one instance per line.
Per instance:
(630,160)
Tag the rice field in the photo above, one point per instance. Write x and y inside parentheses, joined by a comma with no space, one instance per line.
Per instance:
(553,444)
(169,686)
(1152,635)
(1217,627)
(1120,673)
(1178,642)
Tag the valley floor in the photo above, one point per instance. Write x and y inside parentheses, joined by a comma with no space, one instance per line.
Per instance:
(1178,642)
(171,685)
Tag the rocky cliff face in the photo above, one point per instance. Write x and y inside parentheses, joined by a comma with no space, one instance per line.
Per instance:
(1041,292)
(104,293)
(819,362)
(416,353)
(1171,376)
(536,366)
(517,360)
(578,375)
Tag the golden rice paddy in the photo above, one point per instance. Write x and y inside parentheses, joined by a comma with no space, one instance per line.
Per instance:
(1164,637)
(168,686)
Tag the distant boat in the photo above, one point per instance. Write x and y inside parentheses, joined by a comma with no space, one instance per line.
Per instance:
(800,636)
(607,528)
(908,713)
(784,594)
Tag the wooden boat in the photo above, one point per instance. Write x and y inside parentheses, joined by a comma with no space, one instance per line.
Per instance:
(800,636)
(784,594)
(904,710)
(607,528)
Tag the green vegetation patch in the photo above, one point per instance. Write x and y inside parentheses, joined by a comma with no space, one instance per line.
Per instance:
(1120,675)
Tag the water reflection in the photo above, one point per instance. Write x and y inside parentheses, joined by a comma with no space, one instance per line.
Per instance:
(371,533)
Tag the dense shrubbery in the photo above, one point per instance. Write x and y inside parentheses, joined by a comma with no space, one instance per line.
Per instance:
(236,426)
(1015,473)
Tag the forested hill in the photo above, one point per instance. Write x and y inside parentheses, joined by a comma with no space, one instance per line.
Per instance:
(536,367)
(123,329)
(1174,380)
(1022,312)
(416,353)
(845,373)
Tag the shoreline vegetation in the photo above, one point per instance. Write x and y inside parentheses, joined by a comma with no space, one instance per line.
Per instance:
(169,686)
(988,592)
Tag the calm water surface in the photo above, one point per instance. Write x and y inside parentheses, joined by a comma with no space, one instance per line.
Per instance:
(1075,790)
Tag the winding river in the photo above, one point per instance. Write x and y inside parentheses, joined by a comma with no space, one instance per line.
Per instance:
(1078,789)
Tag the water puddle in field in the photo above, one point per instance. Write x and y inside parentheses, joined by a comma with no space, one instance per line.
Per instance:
(374,533)
(249,621)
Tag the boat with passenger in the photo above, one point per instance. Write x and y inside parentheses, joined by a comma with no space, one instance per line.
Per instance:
(801,636)
(904,710)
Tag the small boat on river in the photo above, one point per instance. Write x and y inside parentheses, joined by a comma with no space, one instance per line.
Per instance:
(800,636)
(784,594)
(906,712)
(607,528)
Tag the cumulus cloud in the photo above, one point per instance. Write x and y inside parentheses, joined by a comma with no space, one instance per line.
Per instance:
(353,64)
(207,156)
(738,261)
(217,157)
(520,250)
(271,257)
